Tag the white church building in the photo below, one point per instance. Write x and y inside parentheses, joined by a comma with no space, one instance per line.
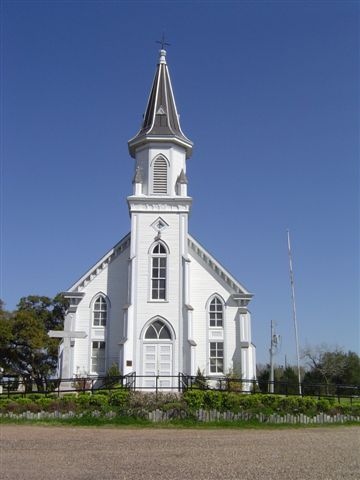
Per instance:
(158,303)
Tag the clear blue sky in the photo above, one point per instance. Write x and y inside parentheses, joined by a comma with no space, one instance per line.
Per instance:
(268,92)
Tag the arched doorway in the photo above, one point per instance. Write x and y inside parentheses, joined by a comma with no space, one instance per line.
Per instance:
(157,355)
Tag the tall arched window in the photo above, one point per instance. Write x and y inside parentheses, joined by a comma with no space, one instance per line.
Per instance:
(158,272)
(216,313)
(160,168)
(100,312)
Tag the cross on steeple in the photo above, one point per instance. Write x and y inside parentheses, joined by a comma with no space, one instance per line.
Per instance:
(162,42)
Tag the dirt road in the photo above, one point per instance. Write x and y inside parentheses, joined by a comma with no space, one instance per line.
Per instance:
(57,453)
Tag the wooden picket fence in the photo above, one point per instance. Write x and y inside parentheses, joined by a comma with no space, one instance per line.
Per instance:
(200,415)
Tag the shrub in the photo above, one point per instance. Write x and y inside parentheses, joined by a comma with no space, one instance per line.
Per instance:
(112,376)
(45,402)
(81,382)
(34,396)
(119,398)
(213,400)
(176,409)
(99,402)
(14,407)
(140,403)
(233,382)
(82,400)
(4,402)
(194,399)
(200,381)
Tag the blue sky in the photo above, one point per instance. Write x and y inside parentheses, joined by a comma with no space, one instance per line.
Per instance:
(268,92)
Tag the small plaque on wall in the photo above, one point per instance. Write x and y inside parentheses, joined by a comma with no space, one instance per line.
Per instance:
(129,363)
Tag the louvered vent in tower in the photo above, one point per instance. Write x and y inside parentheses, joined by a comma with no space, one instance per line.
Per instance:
(160,176)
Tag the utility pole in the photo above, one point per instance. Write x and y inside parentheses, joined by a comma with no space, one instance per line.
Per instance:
(274,344)
(294,311)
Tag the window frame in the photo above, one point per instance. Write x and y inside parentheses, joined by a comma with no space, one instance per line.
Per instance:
(158,338)
(152,278)
(105,302)
(97,357)
(216,312)
(217,358)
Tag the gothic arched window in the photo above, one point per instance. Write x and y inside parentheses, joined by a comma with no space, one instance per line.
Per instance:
(100,310)
(160,169)
(158,272)
(158,331)
(216,313)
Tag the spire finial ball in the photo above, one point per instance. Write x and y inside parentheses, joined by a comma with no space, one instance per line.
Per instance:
(162,56)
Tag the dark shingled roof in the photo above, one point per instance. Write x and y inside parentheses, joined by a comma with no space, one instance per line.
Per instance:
(161,118)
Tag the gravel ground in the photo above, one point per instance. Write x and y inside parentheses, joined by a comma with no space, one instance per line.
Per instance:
(32,452)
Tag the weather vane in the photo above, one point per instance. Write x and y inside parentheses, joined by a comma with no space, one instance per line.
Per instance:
(162,42)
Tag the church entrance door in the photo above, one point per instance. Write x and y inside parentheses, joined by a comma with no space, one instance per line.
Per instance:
(157,357)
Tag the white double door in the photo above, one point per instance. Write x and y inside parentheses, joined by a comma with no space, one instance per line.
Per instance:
(157,362)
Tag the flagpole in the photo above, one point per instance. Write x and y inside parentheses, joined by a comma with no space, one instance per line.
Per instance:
(294,311)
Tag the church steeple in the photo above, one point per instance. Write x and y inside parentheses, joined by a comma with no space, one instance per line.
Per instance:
(161,120)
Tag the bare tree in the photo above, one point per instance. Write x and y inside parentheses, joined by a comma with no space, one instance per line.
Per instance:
(329,362)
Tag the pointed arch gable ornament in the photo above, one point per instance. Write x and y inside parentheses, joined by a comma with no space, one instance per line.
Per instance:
(152,321)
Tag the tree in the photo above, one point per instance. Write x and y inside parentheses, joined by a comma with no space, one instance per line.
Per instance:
(286,380)
(25,347)
(325,364)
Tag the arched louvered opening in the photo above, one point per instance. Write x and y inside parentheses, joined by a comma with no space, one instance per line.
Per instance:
(160,169)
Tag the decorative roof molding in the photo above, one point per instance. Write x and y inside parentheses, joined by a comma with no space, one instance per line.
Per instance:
(159,204)
(161,118)
(218,268)
(182,178)
(138,175)
(76,289)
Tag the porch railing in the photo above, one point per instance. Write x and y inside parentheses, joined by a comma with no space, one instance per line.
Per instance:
(175,383)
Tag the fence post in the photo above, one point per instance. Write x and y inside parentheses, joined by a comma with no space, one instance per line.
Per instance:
(156,385)
(8,388)
(59,383)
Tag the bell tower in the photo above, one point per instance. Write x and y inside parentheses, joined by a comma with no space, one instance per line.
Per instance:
(159,209)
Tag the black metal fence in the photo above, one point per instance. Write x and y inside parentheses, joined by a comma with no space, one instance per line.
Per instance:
(176,383)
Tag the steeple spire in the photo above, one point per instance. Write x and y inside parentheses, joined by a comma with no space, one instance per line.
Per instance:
(161,120)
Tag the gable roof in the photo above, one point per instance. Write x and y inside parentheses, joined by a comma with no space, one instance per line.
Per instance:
(195,246)
(217,268)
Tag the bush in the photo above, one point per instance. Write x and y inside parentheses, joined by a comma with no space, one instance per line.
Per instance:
(82,400)
(194,399)
(112,376)
(44,403)
(119,398)
(200,381)
(99,402)
(140,403)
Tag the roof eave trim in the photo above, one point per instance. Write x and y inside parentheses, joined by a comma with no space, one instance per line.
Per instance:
(173,99)
(138,140)
(98,264)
